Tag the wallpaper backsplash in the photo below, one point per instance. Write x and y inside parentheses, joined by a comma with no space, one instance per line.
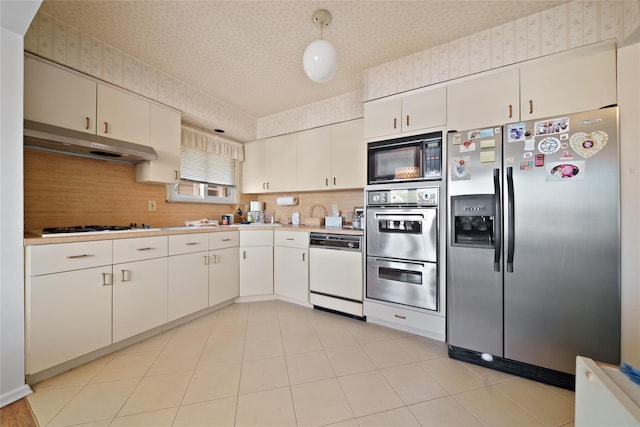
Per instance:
(565,27)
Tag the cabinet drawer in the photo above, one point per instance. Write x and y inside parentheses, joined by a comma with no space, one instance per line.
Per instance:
(188,243)
(224,239)
(407,319)
(256,238)
(45,259)
(292,239)
(126,250)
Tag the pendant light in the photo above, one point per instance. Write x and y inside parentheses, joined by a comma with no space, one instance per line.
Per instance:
(320,59)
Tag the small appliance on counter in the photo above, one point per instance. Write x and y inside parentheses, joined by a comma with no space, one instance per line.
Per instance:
(256,212)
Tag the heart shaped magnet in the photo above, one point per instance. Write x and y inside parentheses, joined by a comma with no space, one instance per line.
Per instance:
(588,144)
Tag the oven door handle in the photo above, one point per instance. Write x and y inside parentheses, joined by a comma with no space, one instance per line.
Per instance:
(400,217)
(380,261)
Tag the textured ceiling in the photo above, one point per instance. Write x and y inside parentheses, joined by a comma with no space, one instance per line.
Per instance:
(249,53)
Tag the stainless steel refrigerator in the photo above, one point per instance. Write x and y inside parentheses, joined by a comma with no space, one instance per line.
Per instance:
(533,254)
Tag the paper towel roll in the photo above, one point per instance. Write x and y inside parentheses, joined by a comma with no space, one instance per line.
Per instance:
(286,201)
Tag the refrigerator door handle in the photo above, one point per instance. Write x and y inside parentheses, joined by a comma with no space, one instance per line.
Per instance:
(498,221)
(511,222)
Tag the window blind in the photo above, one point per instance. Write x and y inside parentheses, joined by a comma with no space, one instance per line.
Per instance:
(202,166)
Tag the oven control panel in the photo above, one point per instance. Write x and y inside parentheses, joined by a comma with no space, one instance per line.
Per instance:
(427,196)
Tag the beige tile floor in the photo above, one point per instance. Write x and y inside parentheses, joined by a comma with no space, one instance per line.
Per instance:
(277,364)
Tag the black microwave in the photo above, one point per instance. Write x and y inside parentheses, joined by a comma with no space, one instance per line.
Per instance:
(412,158)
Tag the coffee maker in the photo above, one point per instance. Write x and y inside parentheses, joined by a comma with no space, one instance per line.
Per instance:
(256,212)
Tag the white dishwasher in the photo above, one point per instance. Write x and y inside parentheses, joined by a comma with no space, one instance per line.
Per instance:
(336,272)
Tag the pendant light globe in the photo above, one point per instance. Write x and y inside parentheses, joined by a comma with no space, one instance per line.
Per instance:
(320,61)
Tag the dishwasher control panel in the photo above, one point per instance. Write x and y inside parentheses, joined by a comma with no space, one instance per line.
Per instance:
(427,196)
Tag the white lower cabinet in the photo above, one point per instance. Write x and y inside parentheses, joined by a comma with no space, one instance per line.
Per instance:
(223,275)
(188,284)
(291,265)
(139,297)
(224,267)
(188,274)
(68,301)
(256,262)
(68,315)
(139,285)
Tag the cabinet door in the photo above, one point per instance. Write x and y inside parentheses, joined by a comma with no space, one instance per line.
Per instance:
(122,115)
(223,275)
(280,158)
(314,159)
(348,155)
(69,314)
(253,168)
(164,137)
(291,273)
(424,110)
(256,270)
(139,297)
(484,101)
(382,118)
(59,97)
(188,284)
(570,82)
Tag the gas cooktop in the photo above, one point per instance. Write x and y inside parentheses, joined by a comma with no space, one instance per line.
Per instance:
(94,229)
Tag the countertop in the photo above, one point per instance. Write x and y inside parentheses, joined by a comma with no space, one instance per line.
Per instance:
(32,239)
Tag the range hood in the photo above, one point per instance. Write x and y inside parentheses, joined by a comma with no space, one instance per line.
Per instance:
(66,141)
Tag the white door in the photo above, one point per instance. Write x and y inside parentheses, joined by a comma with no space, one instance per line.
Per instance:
(59,97)
(188,284)
(69,315)
(382,118)
(256,270)
(122,115)
(348,155)
(291,272)
(139,297)
(223,275)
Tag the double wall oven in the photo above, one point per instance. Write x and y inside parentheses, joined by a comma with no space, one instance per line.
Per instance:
(402,246)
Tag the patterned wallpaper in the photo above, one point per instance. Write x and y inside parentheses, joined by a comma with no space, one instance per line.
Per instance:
(565,27)
(62,43)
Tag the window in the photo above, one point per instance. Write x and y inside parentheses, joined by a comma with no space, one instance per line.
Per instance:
(204,178)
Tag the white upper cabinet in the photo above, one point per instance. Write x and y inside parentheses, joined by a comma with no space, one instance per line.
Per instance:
(58,97)
(270,165)
(122,115)
(578,80)
(408,113)
(253,167)
(332,157)
(314,159)
(348,155)
(489,100)
(164,137)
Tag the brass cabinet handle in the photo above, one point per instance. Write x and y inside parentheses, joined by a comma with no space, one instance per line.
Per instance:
(106,127)
(531,106)
(303,256)
(191,243)
(176,174)
(104,279)
(326,182)
(124,279)
(334,180)
(399,316)
(510,110)
(244,254)
(144,249)
(78,256)
(290,238)
(407,120)
(225,240)
(206,260)
(395,122)
(88,123)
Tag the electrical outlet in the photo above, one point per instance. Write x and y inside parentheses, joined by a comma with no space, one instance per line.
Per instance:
(152,205)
